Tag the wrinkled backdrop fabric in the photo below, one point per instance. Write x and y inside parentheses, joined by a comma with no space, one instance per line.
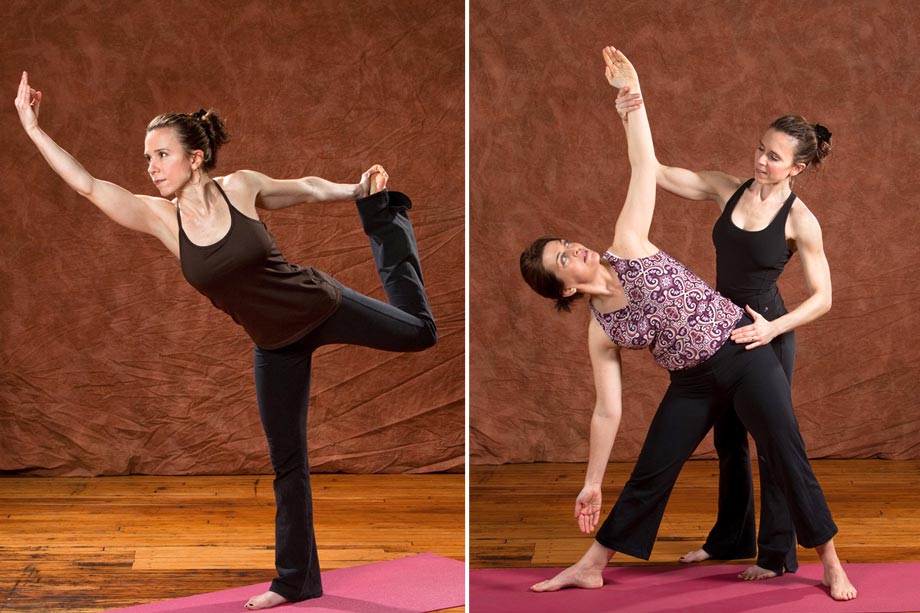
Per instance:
(110,363)
(548,156)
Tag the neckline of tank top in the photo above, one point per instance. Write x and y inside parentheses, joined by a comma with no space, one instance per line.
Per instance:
(625,306)
(226,236)
(786,204)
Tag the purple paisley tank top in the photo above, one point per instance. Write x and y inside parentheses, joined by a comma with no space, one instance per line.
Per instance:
(670,310)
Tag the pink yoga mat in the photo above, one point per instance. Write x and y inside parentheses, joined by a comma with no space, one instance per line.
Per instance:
(710,588)
(424,582)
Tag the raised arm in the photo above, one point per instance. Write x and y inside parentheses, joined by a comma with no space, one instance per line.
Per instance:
(635,220)
(692,185)
(141,213)
(806,232)
(605,421)
(282,193)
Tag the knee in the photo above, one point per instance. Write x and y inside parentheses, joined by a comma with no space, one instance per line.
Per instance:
(427,337)
(430,338)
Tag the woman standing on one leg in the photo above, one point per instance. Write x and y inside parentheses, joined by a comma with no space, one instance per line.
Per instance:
(211,224)
(641,297)
(762,224)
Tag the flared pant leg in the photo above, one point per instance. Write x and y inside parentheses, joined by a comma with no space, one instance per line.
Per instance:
(763,401)
(754,382)
(685,415)
(733,534)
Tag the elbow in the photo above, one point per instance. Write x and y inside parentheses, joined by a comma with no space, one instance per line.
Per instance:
(84,188)
(826,304)
(309,191)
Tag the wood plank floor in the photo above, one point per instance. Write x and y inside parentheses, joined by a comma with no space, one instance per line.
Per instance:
(522,515)
(81,545)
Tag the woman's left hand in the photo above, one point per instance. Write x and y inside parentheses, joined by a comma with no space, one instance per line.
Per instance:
(761,332)
(588,508)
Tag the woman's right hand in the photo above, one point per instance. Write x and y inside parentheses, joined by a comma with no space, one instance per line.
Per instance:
(628,102)
(372,181)
(28,102)
(588,508)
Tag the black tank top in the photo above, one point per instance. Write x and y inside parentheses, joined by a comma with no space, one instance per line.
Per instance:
(749,263)
(245,275)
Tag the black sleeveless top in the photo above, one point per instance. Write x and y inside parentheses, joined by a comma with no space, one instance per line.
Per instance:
(749,263)
(245,275)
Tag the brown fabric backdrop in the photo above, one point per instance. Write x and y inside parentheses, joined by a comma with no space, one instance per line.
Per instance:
(548,155)
(109,362)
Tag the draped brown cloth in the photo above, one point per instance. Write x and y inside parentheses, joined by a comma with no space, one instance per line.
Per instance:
(548,156)
(109,362)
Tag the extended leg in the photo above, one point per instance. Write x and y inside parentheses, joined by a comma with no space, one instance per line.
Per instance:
(685,415)
(764,404)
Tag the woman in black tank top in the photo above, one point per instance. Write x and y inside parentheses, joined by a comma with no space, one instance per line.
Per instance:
(288,311)
(762,224)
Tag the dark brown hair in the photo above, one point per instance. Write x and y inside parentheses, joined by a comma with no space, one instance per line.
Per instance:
(541,280)
(203,130)
(814,140)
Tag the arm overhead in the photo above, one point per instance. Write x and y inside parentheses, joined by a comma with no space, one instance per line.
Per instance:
(141,213)
(279,194)
(635,220)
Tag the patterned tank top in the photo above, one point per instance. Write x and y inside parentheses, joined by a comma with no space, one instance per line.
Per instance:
(670,310)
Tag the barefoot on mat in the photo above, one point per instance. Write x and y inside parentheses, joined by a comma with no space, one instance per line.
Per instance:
(265,601)
(698,555)
(573,576)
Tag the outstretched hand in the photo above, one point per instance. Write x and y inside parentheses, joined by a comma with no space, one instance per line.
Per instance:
(372,181)
(588,508)
(619,71)
(27,103)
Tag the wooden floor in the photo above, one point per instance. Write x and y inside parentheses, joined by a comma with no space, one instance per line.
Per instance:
(81,544)
(522,515)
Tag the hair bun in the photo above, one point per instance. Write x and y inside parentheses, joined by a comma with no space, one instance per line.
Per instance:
(823,134)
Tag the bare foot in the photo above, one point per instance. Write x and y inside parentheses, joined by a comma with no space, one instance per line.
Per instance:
(695,556)
(836,579)
(619,71)
(265,601)
(573,576)
(756,573)
(378,180)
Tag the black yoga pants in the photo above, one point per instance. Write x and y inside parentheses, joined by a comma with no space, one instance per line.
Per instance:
(283,379)
(753,382)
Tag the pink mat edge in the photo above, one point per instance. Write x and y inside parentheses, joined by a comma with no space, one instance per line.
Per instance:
(158,605)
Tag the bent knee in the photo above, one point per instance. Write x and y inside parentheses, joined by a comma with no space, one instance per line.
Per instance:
(428,338)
